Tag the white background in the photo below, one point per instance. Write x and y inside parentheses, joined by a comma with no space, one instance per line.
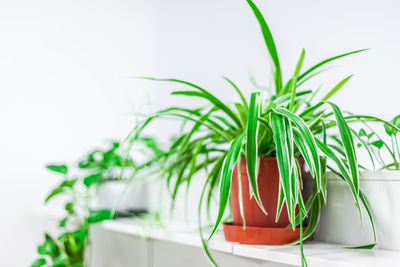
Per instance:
(65,68)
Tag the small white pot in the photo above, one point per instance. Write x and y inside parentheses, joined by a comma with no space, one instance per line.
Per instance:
(121,195)
(340,220)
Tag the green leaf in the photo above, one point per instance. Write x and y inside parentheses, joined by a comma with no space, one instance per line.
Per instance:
(320,64)
(294,79)
(96,216)
(348,145)
(336,88)
(54,193)
(369,246)
(252,159)
(283,138)
(68,183)
(226,176)
(372,119)
(69,207)
(60,261)
(203,94)
(244,101)
(390,130)
(362,133)
(58,168)
(39,262)
(378,144)
(63,222)
(92,179)
(343,171)
(305,142)
(47,248)
(269,41)
(368,209)
(365,145)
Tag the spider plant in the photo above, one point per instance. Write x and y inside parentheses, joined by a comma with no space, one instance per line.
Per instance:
(287,124)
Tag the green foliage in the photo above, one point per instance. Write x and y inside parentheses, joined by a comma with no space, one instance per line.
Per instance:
(39,262)
(68,249)
(96,216)
(92,179)
(385,150)
(288,124)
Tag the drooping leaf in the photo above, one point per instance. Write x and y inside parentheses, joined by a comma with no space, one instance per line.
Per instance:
(252,159)
(68,183)
(305,141)
(283,138)
(344,172)
(204,94)
(226,178)
(54,193)
(348,145)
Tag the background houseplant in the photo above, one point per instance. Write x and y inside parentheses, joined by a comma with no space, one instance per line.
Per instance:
(381,188)
(70,247)
(287,124)
(111,172)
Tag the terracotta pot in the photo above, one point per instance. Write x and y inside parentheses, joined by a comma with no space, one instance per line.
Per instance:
(256,220)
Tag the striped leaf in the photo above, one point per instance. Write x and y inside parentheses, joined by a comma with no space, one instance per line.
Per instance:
(283,138)
(252,145)
(348,145)
(225,180)
(269,41)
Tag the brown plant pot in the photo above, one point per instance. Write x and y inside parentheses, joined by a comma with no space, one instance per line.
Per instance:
(260,229)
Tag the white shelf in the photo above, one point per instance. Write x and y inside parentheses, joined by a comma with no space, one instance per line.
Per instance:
(317,253)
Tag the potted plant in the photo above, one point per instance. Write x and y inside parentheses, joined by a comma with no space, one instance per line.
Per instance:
(381,188)
(256,151)
(112,171)
(91,181)
(69,248)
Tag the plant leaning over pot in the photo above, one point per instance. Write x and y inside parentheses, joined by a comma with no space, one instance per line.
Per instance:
(257,151)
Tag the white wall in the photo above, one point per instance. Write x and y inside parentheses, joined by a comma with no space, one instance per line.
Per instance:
(64,90)
(64,68)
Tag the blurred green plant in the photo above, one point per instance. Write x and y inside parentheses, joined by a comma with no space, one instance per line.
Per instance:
(289,123)
(68,249)
(384,149)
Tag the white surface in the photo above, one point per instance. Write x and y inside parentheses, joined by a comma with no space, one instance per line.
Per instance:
(317,253)
(340,221)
